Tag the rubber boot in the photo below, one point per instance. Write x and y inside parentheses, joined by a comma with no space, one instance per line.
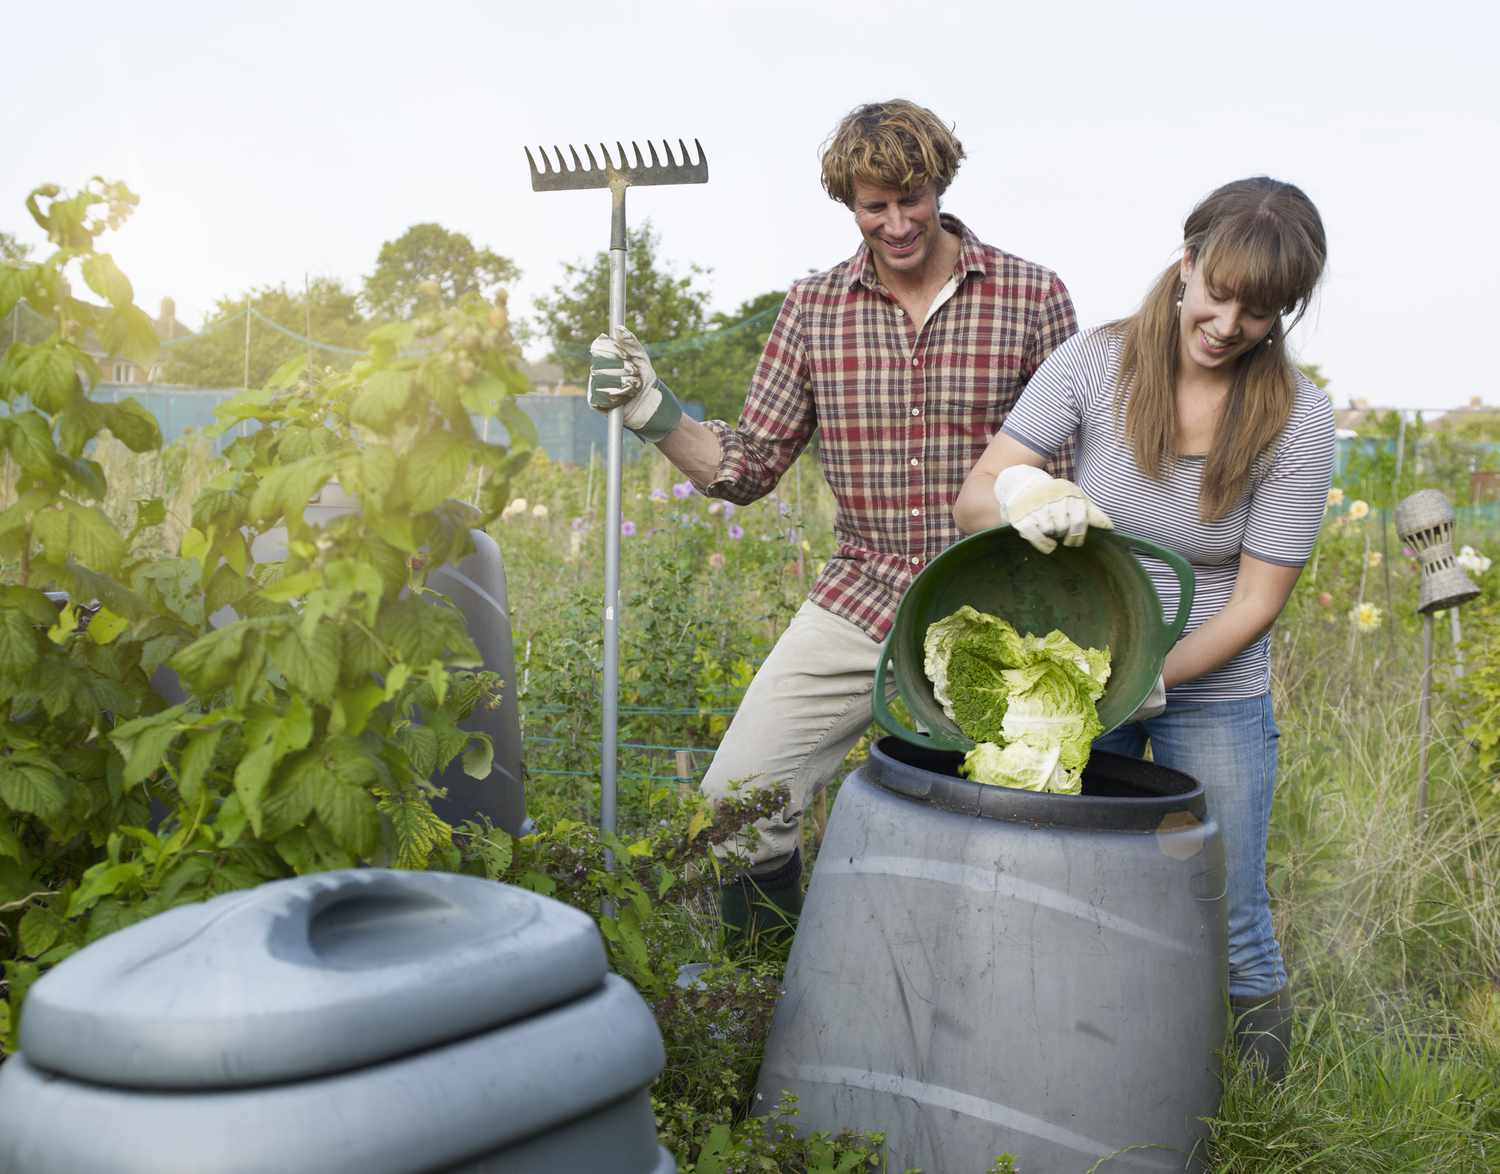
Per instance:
(1263,1030)
(761,910)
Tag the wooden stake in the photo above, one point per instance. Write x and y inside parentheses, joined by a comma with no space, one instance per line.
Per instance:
(1424,720)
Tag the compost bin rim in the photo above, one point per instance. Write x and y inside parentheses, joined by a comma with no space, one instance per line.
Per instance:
(1086,812)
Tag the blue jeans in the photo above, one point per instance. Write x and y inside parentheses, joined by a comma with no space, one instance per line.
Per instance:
(1230,748)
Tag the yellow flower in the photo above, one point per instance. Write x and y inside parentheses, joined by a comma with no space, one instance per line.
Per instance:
(1373,558)
(1365,616)
(1358,509)
(1335,496)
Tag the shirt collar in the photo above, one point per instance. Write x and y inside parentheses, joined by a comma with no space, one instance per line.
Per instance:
(970,256)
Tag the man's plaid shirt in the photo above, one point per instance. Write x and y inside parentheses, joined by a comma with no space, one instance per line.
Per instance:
(903,415)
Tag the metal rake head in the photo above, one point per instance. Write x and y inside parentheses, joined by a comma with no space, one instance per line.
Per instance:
(637,174)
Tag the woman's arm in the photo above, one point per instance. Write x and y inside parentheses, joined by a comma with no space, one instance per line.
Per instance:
(975,508)
(1260,592)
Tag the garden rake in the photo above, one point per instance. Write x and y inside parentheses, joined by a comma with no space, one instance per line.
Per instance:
(616,174)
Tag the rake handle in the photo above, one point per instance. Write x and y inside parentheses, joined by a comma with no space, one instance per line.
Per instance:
(609,742)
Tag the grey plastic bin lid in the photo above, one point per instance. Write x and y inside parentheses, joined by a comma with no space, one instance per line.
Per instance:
(302,977)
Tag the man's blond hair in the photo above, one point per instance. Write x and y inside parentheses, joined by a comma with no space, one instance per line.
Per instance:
(895,144)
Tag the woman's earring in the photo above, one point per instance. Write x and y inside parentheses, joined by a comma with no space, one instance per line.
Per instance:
(1181,293)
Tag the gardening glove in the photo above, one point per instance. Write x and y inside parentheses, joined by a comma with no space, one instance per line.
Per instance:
(1154,705)
(621,375)
(1043,509)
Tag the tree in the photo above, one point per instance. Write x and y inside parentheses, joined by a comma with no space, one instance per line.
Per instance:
(730,354)
(701,357)
(660,306)
(1314,372)
(427,268)
(215,357)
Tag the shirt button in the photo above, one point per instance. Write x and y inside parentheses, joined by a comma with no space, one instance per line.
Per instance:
(916,362)
(915,461)
(916,513)
(916,411)
(916,562)
(900,313)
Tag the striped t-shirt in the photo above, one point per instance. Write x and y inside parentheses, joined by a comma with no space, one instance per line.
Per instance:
(1277,519)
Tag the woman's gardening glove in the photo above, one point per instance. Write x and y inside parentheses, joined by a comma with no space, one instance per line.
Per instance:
(1154,705)
(1043,509)
(621,375)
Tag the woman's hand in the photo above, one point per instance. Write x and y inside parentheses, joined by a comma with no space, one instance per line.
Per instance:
(1044,509)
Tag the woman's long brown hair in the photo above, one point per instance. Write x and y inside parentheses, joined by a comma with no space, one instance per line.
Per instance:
(1262,240)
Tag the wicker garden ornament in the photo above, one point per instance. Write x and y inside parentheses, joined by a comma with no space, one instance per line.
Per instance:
(1425,523)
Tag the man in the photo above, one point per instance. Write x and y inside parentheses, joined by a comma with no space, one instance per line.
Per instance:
(907,357)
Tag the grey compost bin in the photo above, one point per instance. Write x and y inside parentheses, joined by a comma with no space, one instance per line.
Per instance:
(359,1021)
(980,970)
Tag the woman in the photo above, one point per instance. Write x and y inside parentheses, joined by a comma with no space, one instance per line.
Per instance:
(1196,431)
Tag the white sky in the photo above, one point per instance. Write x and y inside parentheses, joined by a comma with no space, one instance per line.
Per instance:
(272,139)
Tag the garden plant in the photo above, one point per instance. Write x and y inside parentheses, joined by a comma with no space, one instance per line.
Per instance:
(316,717)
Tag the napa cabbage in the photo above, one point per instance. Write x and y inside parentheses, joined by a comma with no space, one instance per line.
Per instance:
(1029,702)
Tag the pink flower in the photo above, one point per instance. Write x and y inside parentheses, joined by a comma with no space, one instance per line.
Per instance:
(716,560)
(682,489)
(627,528)
(729,508)
(715,507)
(1325,599)
(658,495)
(736,531)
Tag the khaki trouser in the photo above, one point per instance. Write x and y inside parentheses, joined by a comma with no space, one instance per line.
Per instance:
(804,711)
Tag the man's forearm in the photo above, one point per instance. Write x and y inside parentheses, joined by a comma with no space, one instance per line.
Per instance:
(694,449)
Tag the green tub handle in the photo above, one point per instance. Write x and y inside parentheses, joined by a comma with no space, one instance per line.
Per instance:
(887,721)
(1186,583)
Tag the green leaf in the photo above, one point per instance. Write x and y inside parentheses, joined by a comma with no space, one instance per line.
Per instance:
(285,489)
(309,666)
(370,474)
(102,880)
(288,373)
(48,375)
(434,469)
(151,511)
(106,280)
(250,779)
(381,398)
(127,331)
(40,928)
(80,532)
(479,758)
(197,757)
(132,425)
(145,740)
(421,746)
(106,626)
(30,443)
(350,814)
(18,643)
(31,789)
(522,428)
(14,282)
(86,475)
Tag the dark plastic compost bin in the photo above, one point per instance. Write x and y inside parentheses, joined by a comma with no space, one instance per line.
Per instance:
(359,1021)
(981,970)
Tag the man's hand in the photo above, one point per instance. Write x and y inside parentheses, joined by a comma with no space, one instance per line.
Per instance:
(1043,509)
(621,375)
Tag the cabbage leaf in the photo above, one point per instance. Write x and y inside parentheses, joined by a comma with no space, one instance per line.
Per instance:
(1030,703)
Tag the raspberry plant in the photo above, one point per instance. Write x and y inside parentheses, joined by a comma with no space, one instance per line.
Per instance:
(150,756)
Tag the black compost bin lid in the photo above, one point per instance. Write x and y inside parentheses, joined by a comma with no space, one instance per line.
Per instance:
(307,976)
(1119,793)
